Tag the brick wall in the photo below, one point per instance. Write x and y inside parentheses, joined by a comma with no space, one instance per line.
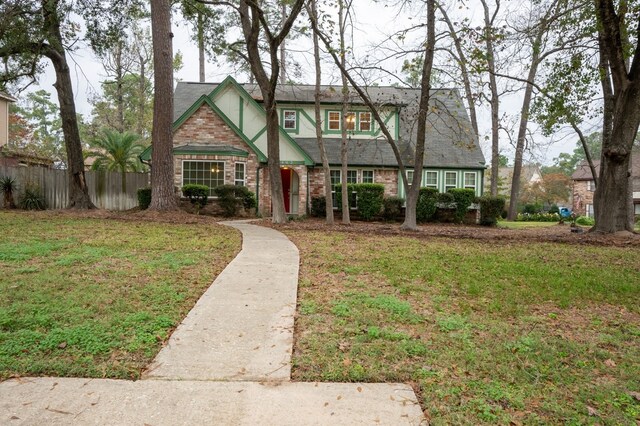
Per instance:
(581,197)
(205,127)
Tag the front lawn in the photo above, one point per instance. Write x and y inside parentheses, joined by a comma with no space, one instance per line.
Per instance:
(524,225)
(97,298)
(519,332)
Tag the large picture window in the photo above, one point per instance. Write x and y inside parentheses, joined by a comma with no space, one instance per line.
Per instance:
(210,173)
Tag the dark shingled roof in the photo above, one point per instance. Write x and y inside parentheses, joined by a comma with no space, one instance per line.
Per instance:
(450,140)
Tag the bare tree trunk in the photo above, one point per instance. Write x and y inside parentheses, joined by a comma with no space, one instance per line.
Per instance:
(119,69)
(425,92)
(346,214)
(495,101)
(78,190)
(201,60)
(162,192)
(622,98)
(522,134)
(283,48)
(313,13)
(141,98)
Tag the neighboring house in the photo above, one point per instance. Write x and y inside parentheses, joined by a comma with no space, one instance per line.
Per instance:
(9,156)
(220,138)
(584,186)
(5,101)
(529,175)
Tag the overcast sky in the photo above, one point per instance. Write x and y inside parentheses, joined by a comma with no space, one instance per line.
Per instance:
(373,22)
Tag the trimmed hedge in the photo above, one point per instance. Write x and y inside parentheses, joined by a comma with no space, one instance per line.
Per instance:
(427,204)
(491,209)
(463,199)
(370,198)
(144,198)
(318,206)
(367,197)
(585,221)
(392,207)
(538,217)
(231,197)
(197,194)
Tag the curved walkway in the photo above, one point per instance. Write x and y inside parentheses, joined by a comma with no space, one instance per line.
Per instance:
(228,362)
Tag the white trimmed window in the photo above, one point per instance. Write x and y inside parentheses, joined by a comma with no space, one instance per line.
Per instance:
(350,119)
(335,118)
(210,173)
(240,175)
(352,177)
(364,120)
(367,176)
(290,120)
(470,180)
(591,185)
(589,210)
(336,178)
(409,177)
(637,209)
(431,179)
(450,180)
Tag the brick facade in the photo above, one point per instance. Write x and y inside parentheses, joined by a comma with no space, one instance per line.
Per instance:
(582,197)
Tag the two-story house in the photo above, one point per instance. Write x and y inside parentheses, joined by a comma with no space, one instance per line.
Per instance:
(584,186)
(220,138)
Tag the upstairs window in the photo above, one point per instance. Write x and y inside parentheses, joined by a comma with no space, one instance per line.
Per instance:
(364,122)
(290,120)
(335,118)
(350,121)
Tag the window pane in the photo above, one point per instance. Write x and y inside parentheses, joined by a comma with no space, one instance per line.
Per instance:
(367,176)
(409,176)
(352,176)
(365,121)
(470,180)
(210,173)
(239,175)
(351,121)
(334,120)
(450,180)
(432,179)
(290,119)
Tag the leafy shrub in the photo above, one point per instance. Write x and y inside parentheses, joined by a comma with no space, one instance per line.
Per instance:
(144,198)
(532,208)
(32,199)
(231,197)
(585,221)
(490,209)
(197,194)
(538,217)
(352,195)
(446,198)
(318,206)
(463,198)
(554,209)
(427,204)
(370,197)
(8,185)
(392,207)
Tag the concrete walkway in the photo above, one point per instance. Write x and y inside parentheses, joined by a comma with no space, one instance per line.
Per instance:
(228,362)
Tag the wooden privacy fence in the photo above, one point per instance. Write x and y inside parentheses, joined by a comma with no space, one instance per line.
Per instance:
(105,188)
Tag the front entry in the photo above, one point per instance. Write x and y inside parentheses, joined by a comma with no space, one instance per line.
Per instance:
(286,188)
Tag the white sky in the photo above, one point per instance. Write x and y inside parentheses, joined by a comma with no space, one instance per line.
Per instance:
(373,21)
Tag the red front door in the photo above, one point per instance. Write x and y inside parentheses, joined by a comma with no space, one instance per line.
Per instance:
(286,188)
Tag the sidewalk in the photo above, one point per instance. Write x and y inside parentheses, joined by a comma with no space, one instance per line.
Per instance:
(229,362)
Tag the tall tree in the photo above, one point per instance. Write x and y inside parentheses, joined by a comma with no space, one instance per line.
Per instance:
(343,12)
(162,192)
(620,61)
(312,11)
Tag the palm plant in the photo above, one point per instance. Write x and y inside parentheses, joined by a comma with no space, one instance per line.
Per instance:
(8,185)
(115,151)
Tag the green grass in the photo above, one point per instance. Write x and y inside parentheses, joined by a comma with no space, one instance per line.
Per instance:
(97,298)
(486,332)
